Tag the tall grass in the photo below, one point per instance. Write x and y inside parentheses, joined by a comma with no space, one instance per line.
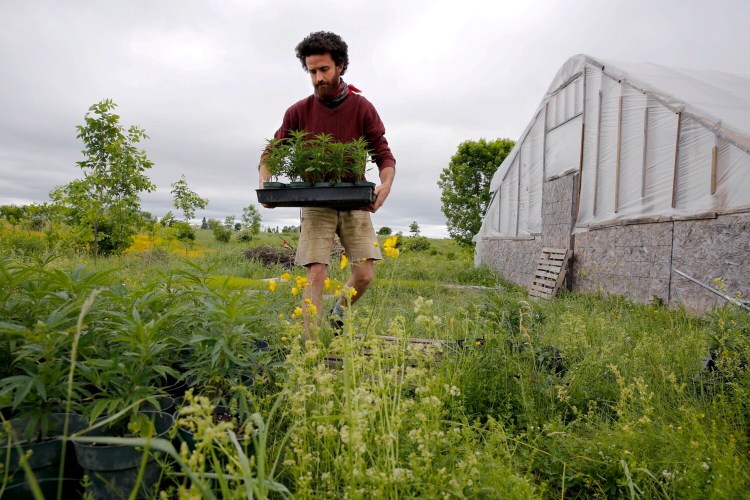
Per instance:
(583,396)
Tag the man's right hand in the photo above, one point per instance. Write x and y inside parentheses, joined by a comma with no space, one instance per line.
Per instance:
(260,186)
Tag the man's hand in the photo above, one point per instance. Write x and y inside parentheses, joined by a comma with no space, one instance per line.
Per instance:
(383,190)
(263,176)
(381,193)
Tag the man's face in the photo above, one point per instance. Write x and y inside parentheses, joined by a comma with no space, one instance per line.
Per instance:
(324,73)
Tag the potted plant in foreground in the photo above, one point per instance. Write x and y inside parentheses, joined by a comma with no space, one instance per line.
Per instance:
(319,172)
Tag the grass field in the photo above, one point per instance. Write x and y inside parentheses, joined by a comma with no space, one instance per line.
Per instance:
(584,396)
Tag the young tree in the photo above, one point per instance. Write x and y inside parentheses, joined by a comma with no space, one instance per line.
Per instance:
(186,200)
(106,201)
(414,228)
(251,219)
(167,220)
(385,231)
(465,185)
(229,222)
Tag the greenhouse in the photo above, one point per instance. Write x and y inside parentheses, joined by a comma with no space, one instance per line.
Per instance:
(637,169)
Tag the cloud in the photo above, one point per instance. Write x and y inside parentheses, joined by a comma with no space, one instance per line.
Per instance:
(210,81)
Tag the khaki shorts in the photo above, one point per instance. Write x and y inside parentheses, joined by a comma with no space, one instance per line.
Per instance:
(319,224)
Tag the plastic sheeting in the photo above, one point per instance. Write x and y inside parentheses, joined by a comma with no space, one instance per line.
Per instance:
(657,142)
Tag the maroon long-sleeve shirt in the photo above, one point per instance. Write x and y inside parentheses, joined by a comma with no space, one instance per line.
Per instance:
(355,117)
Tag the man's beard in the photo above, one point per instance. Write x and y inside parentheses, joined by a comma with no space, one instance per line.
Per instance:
(327,90)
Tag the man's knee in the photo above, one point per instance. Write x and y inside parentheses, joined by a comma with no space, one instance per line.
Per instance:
(364,273)
(317,273)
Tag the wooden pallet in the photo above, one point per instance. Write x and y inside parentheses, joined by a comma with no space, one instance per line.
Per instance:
(334,361)
(549,274)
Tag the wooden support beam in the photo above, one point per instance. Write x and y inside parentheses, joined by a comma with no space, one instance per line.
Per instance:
(645,151)
(714,161)
(676,160)
(619,150)
(598,150)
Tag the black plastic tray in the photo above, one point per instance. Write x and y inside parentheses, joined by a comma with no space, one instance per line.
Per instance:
(335,197)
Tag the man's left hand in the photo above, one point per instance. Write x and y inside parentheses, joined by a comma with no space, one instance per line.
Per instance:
(381,193)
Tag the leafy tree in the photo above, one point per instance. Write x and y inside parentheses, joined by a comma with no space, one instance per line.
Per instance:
(229,222)
(414,228)
(13,213)
(106,201)
(465,185)
(385,231)
(251,219)
(237,226)
(167,220)
(186,200)
(222,233)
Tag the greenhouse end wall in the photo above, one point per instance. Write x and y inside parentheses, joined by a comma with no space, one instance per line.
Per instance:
(515,258)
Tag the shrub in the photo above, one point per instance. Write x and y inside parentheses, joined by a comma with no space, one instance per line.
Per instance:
(222,234)
(418,244)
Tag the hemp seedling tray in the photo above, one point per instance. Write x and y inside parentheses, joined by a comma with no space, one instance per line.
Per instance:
(341,197)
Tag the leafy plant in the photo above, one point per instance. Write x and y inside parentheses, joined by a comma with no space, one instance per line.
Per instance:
(106,202)
(316,159)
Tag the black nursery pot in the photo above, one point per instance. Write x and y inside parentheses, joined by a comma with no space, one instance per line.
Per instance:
(220,413)
(45,457)
(113,469)
(165,404)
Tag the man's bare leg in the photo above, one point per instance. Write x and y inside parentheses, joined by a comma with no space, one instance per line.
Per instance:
(316,277)
(362,275)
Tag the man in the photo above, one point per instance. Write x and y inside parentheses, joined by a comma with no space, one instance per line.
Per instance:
(336,108)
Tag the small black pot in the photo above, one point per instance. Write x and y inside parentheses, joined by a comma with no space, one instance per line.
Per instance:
(262,345)
(113,469)
(221,412)
(45,455)
(273,185)
(298,184)
(165,404)
(176,387)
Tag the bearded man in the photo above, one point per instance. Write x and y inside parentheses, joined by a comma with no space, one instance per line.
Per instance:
(338,109)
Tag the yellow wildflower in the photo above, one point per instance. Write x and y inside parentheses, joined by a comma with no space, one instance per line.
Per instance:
(344,262)
(285,277)
(327,283)
(297,312)
(389,247)
(375,244)
(308,301)
(337,292)
(283,338)
(295,291)
(312,310)
(272,285)
(281,316)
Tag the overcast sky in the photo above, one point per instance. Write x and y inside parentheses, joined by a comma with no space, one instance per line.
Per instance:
(209,81)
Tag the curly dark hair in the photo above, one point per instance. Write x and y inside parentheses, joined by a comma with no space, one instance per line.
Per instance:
(324,42)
